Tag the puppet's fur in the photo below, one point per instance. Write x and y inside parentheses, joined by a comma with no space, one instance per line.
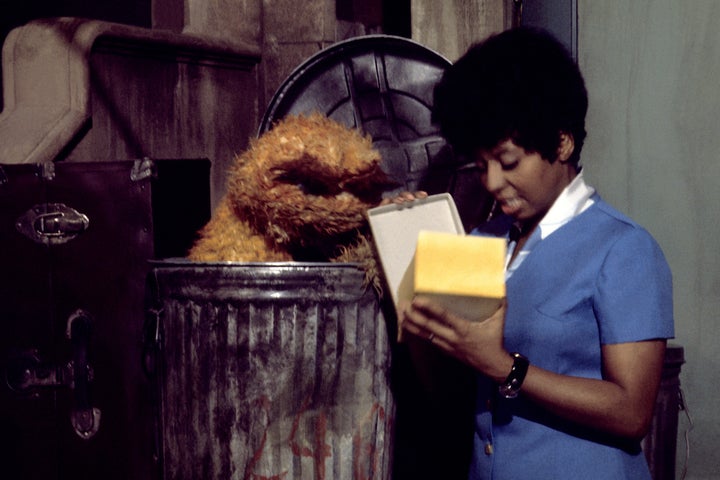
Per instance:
(300,192)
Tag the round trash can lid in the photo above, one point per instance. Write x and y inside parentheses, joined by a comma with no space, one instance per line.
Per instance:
(383,85)
(380,84)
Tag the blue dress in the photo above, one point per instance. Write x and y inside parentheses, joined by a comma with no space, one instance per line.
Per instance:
(599,279)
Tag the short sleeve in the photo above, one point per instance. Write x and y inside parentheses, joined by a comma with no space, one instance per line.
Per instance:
(633,300)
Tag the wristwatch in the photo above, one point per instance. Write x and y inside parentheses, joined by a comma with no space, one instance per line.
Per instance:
(511,386)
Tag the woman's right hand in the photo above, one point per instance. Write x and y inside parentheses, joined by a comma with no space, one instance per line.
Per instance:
(477,344)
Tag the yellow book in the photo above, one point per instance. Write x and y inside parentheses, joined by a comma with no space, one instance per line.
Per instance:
(466,274)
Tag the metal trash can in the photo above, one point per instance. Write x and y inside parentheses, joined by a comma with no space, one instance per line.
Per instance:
(271,370)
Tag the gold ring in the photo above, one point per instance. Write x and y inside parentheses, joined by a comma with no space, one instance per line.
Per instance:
(430,337)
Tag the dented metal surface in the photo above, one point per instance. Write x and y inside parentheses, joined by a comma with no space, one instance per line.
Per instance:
(272,371)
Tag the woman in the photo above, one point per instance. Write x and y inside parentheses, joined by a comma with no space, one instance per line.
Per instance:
(569,368)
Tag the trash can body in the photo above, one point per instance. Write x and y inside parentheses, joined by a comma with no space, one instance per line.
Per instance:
(271,371)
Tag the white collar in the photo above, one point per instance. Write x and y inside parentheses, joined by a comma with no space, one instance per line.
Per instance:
(572,201)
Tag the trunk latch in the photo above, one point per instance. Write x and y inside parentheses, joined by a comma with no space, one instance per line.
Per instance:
(27,374)
(52,223)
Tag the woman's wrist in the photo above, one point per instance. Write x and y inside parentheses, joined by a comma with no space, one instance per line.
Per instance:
(510,387)
(502,368)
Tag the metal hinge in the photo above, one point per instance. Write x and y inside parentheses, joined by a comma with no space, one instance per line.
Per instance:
(47,171)
(143,169)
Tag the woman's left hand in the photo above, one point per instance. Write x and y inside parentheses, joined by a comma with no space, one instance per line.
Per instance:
(404,197)
(478,344)
(621,403)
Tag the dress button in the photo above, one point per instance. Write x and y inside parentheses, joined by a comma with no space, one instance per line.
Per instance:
(488,449)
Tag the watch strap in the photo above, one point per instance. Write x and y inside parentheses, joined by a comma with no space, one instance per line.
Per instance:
(511,386)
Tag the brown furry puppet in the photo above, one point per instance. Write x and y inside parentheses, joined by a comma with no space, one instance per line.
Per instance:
(300,192)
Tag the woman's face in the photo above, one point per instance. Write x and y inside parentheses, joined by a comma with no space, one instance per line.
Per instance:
(523,183)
